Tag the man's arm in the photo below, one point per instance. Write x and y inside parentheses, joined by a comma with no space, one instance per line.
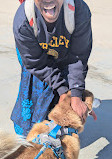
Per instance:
(81,45)
(80,49)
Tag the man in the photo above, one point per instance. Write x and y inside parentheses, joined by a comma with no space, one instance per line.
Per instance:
(52,62)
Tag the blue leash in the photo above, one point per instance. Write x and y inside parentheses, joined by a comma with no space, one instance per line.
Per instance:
(41,151)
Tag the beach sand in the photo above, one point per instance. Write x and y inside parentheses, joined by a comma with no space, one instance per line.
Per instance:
(96,140)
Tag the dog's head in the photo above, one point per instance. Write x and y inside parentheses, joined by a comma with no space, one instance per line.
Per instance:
(64,115)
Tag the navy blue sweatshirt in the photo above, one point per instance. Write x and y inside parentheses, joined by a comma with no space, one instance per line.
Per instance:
(46,55)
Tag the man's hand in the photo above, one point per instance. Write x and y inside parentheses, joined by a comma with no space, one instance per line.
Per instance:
(79,107)
(62,97)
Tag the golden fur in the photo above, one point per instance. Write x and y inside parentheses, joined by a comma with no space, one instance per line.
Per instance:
(63,115)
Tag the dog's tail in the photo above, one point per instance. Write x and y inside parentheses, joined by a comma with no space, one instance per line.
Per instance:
(9,143)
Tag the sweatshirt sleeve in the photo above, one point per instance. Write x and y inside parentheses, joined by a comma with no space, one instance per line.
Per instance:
(36,61)
(81,45)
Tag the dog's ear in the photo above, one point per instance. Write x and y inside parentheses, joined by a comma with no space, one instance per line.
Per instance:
(88,98)
(63,114)
(87,93)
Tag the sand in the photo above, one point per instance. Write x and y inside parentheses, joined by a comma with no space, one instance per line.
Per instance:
(96,140)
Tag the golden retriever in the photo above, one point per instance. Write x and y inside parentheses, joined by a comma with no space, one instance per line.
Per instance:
(63,115)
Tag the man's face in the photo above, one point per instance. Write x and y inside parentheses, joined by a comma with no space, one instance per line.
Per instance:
(49,9)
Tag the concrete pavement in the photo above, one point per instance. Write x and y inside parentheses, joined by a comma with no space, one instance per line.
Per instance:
(96,140)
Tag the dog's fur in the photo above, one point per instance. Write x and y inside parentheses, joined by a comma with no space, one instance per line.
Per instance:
(63,115)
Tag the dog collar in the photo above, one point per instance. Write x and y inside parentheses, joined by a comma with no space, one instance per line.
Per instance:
(59,131)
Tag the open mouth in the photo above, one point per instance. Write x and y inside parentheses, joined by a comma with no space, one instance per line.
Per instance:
(50,10)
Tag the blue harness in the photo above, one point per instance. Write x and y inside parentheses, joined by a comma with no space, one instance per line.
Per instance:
(52,140)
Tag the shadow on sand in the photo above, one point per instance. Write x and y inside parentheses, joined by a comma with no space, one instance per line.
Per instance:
(102,128)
